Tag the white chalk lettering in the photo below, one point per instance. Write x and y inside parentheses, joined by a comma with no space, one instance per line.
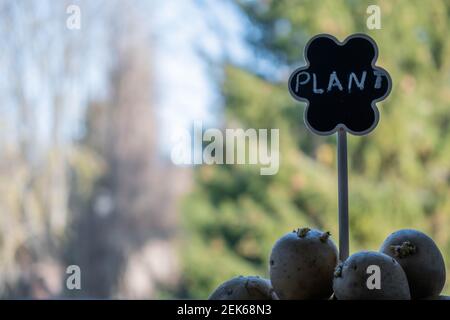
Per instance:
(359,84)
(298,83)
(334,81)
(315,90)
(354,79)
(378,74)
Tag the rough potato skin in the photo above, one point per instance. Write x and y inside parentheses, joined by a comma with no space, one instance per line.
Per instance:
(350,282)
(244,288)
(424,268)
(302,264)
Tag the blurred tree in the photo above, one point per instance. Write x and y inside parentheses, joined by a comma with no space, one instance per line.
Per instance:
(39,65)
(125,226)
(399,174)
(100,197)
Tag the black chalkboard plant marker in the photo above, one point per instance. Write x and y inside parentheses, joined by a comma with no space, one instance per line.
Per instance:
(341,85)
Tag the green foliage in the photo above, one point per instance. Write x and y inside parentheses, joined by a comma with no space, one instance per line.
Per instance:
(399,174)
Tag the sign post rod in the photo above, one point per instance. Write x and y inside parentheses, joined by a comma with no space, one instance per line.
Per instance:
(343,194)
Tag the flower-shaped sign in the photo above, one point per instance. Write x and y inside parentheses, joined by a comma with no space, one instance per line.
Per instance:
(341,84)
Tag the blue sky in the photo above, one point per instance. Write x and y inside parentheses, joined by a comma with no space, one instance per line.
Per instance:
(193,39)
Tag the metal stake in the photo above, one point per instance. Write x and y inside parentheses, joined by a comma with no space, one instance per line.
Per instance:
(343,194)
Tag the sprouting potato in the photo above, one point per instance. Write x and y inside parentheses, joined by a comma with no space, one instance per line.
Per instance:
(352,276)
(244,288)
(302,264)
(421,260)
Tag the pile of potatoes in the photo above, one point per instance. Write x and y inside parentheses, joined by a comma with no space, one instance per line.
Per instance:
(304,265)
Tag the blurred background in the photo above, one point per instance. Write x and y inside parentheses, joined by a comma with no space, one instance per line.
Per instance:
(88,113)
